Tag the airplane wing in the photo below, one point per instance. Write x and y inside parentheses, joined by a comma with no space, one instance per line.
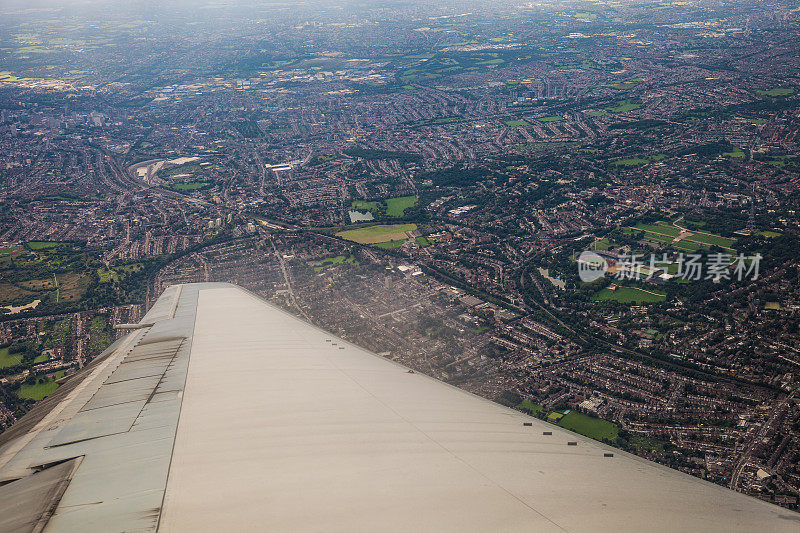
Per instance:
(222,412)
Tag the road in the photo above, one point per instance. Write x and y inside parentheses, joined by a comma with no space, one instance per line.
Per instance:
(748,451)
(288,281)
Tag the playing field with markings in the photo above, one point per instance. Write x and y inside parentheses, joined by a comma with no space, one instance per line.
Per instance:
(677,235)
(629,295)
(380,233)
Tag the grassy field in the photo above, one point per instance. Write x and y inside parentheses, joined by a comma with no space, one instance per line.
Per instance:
(659,228)
(72,286)
(188,186)
(181,171)
(395,207)
(778,91)
(377,234)
(422,241)
(333,261)
(585,16)
(769,234)
(38,391)
(552,118)
(45,284)
(248,129)
(735,153)
(516,123)
(681,246)
(658,238)
(623,106)
(603,244)
(711,239)
(363,205)
(118,272)
(631,162)
(629,295)
(598,113)
(106,275)
(41,245)
(686,246)
(7,359)
(530,407)
(638,160)
(10,292)
(390,245)
(776,161)
(130,267)
(693,241)
(588,426)
(624,85)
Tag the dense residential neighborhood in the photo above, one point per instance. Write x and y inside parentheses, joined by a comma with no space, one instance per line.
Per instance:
(425,183)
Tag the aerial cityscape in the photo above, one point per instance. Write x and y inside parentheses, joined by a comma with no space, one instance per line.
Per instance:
(585,210)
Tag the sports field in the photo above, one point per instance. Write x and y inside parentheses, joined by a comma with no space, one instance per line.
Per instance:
(629,295)
(395,207)
(376,234)
(667,233)
(662,229)
(37,391)
(188,186)
(708,238)
(589,426)
(7,359)
(623,106)
(390,245)
(736,152)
